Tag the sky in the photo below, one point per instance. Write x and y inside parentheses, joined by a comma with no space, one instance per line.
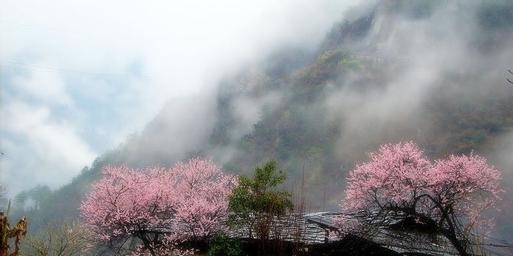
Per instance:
(77,77)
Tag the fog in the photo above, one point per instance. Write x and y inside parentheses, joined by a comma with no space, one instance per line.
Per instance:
(418,55)
(438,56)
(434,72)
(78,77)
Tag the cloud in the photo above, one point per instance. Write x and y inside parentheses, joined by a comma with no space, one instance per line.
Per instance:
(38,148)
(96,71)
(421,56)
(42,86)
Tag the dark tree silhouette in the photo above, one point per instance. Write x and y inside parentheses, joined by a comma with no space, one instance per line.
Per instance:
(8,232)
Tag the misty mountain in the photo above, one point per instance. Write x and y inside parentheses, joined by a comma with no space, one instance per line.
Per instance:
(429,71)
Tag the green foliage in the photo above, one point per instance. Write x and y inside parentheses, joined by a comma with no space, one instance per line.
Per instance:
(332,57)
(339,59)
(349,63)
(259,194)
(256,201)
(331,65)
(222,245)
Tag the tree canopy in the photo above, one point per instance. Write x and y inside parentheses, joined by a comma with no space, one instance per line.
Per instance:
(160,207)
(256,200)
(447,197)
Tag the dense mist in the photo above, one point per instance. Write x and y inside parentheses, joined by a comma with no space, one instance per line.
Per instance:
(78,78)
(317,99)
(433,72)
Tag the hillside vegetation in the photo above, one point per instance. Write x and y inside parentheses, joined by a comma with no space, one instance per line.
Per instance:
(369,82)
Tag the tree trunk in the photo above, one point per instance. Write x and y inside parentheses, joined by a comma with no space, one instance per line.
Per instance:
(147,245)
(456,243)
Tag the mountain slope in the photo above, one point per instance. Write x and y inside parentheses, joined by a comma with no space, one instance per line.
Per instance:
(430,71)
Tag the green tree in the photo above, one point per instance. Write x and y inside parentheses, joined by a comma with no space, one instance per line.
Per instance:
(222,245)
(257,201)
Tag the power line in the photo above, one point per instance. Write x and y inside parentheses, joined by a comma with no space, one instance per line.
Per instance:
(18,25)
(12,63)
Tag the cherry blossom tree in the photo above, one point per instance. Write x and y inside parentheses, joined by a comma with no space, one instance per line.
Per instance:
(201,203)
(447,197)
(157,206)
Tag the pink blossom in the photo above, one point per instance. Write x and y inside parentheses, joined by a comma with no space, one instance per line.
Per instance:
(399,182)
(183,203)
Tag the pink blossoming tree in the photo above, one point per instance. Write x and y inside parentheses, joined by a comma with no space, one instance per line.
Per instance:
(447,197)
(159,207)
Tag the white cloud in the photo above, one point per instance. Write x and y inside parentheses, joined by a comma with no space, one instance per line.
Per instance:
(43,85)
(85,52)
(38,148)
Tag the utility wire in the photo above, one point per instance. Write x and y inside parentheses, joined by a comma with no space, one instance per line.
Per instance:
(13,63)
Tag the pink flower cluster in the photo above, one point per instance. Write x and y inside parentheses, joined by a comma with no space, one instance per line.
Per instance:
(399,177)
(183,203)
